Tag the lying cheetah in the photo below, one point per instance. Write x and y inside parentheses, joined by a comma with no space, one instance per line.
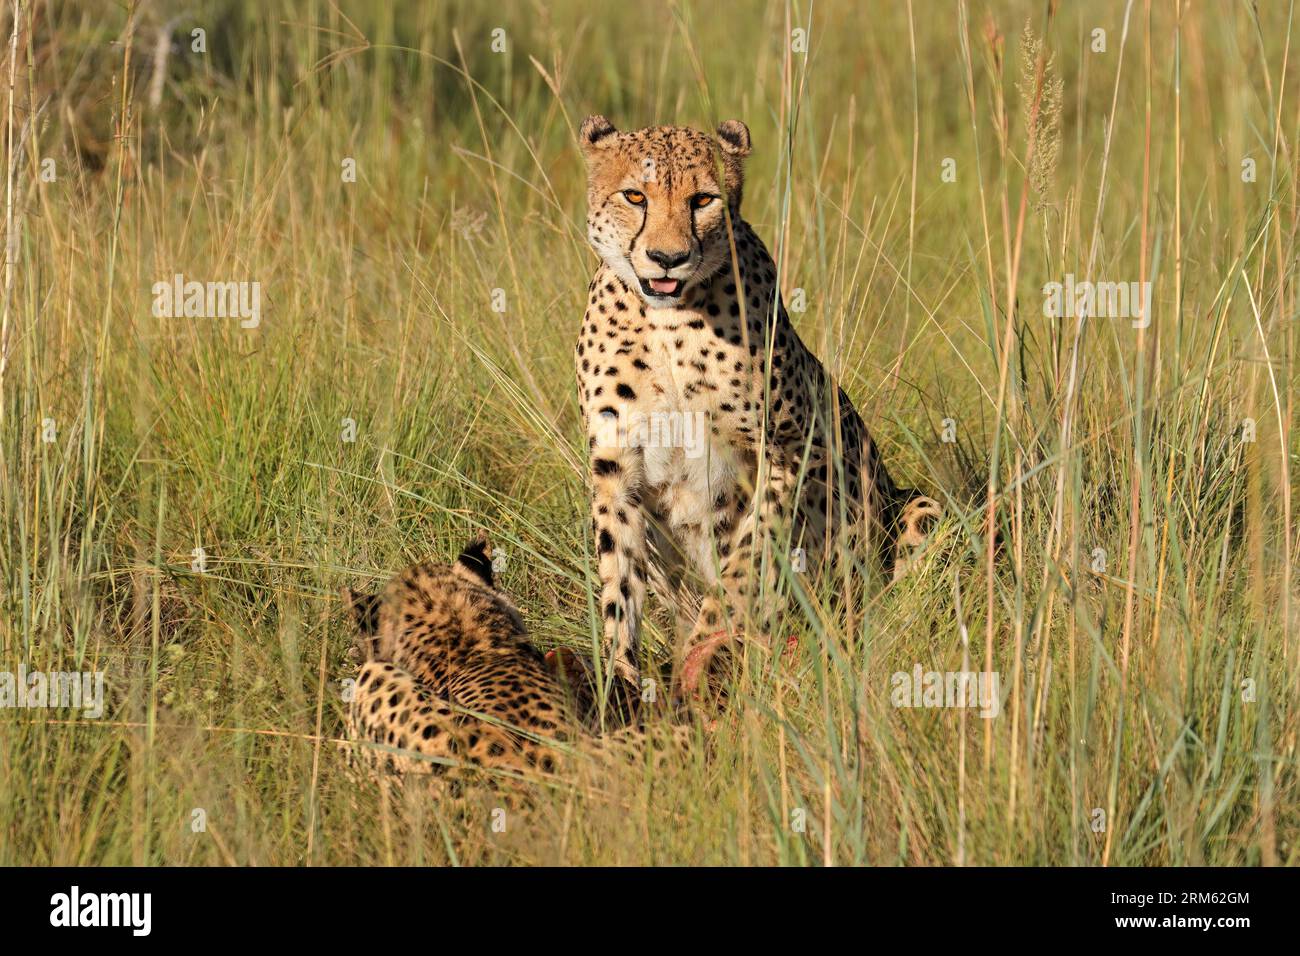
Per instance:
(450,679)
(684,324)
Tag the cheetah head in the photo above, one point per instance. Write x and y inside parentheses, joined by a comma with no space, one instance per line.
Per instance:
(657,200)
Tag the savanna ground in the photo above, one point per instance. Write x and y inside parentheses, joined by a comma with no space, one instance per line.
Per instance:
(1141,609)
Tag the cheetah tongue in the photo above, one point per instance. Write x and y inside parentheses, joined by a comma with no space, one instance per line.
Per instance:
(665,286)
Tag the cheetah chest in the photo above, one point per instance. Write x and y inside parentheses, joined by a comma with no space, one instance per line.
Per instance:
(693,464)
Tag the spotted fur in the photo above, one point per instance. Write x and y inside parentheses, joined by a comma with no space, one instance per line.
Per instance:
(685,324)
(451,680)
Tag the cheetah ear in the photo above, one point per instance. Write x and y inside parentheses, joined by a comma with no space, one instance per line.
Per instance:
(733,137)
(476,560)
(595,133)
(364,609)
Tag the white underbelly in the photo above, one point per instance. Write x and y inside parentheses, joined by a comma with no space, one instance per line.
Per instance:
(687,468)
(687,486)
(685,483)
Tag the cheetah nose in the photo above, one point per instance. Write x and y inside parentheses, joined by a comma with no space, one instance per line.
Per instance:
(668,260)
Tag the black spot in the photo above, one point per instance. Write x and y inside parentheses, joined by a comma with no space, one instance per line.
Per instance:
(604,466)
(625,391)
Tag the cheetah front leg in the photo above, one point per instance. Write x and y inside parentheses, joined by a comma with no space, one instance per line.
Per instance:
(669,575)
(619,524)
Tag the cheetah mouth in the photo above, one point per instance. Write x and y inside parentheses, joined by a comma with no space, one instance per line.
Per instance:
(664,288)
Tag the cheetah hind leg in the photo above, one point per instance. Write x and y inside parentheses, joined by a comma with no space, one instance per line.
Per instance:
(917,519)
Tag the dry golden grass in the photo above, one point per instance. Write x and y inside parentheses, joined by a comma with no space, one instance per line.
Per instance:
(1158,693)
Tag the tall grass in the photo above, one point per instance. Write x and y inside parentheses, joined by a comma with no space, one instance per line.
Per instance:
(1140,610)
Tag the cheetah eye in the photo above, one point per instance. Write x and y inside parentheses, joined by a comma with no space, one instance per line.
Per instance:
(700,200)
(634,196)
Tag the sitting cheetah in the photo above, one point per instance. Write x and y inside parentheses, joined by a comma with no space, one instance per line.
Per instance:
(450,679)
(685,330)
